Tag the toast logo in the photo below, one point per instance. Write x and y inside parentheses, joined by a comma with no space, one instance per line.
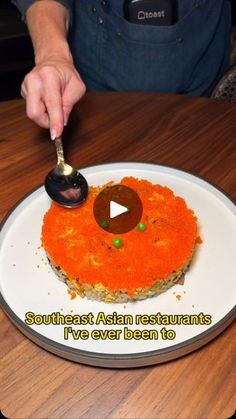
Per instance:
(150,15)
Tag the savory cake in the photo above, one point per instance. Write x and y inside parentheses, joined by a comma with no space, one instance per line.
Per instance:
(141,263)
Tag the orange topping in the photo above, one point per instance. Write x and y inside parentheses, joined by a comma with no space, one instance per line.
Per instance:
(84,251)
(72,294)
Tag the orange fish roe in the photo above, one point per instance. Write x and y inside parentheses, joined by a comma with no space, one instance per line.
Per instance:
(84,251)
(72,294)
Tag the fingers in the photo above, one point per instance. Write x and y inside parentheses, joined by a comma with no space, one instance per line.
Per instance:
(42,92)
(50,94)
(53,103)
(73,92)
(31,90)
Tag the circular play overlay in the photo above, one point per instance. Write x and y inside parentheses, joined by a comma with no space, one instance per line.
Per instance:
(117,209)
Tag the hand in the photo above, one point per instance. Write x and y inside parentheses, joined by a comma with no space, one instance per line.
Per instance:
(51,89)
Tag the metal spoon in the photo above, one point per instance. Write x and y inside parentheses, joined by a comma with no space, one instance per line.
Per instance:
(65,185)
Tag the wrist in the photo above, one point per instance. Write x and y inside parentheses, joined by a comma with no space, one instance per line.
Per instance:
(57,52)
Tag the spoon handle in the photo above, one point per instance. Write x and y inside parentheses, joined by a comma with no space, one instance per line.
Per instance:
(59,150)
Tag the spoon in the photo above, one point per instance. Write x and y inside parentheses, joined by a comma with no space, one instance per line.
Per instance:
(65,185)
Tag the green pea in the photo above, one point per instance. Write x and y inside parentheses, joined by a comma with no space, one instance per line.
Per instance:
(141,227)
(103,223)
(117,242)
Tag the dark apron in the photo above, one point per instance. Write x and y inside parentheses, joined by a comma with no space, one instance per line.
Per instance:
(114,54)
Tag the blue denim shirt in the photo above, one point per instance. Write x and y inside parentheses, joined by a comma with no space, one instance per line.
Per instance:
(113,54)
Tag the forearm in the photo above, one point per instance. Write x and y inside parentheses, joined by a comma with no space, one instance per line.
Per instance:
(48,23)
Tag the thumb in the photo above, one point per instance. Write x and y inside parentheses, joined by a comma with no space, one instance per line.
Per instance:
(53,103)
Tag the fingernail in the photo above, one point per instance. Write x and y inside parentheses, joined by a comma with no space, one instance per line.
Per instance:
(53,134)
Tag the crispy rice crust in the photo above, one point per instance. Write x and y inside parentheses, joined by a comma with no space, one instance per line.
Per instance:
(99,292)
(149,262)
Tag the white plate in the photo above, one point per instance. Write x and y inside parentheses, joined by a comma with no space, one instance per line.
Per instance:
(27,282)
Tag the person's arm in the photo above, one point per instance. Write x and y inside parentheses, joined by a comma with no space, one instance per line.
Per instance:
(53,86)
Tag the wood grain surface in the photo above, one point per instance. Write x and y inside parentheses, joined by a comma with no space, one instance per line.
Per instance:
(194,134)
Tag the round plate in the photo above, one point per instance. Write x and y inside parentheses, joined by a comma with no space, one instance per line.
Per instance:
(27,283)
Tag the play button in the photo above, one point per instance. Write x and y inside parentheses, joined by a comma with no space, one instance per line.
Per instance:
(117,209)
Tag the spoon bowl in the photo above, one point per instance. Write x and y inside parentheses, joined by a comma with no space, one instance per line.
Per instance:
(65,185)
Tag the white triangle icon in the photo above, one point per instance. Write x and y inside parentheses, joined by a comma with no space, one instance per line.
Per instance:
(116,209)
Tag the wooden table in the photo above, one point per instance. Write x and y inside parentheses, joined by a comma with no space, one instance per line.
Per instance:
(194,134)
